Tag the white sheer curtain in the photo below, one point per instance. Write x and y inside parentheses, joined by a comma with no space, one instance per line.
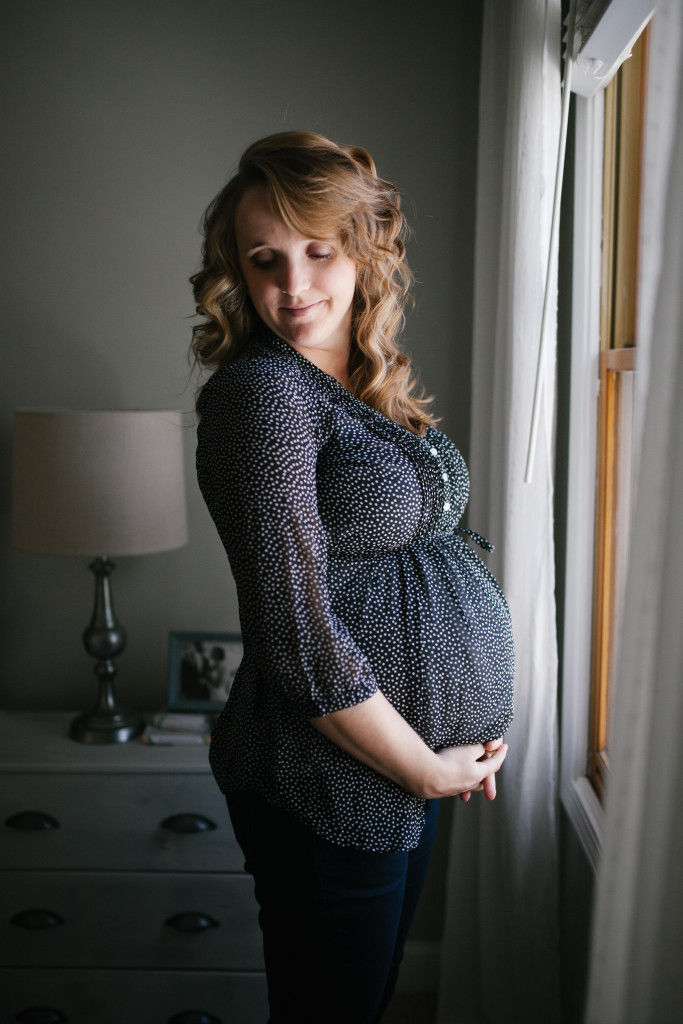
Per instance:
(500,949)
(636,971)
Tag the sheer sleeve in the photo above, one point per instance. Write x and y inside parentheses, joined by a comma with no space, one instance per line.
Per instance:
(256,464)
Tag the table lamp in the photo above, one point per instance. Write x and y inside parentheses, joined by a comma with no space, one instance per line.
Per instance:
(99,484)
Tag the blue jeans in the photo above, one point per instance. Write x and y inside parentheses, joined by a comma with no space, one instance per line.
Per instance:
(334,919)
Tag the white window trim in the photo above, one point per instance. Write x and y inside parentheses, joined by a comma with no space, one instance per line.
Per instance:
(602,46)
(578,796)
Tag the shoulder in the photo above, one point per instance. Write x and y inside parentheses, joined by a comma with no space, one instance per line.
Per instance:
(258,388)
(262,393)
(252,379)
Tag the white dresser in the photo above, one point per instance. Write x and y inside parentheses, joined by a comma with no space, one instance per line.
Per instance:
(122,896)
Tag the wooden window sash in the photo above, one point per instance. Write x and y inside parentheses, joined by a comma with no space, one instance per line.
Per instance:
(623,144)
(615,366)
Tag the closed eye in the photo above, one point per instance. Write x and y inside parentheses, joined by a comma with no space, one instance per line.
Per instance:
(261,261)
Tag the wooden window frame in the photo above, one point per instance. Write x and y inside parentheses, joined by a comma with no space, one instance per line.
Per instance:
(611,535)
(622,175)
(578,792)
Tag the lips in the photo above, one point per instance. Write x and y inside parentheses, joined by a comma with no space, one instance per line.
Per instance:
(298,311)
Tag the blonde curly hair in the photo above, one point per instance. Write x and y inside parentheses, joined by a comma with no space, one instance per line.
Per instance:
(320,190)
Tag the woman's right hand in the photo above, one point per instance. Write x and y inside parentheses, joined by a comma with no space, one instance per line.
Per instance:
(472,767)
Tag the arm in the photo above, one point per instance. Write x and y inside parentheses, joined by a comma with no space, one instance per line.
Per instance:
(259,437)
(378,735)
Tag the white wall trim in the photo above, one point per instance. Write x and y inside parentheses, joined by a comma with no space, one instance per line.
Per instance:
(578,797)
(587,816)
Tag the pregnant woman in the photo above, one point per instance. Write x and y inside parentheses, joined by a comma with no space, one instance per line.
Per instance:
(378,655)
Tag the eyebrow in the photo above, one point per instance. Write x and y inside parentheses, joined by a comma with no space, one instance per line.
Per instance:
(255,246)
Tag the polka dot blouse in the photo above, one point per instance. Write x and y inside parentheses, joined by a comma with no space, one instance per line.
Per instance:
(352,575)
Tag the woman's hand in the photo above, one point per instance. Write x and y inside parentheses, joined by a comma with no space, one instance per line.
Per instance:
(482,760)
(376,734)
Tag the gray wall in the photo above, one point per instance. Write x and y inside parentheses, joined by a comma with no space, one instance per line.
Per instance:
(124,117)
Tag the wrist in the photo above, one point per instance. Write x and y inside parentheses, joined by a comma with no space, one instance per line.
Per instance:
(433,781)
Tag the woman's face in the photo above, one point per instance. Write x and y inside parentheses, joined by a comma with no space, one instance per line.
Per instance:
(302,288)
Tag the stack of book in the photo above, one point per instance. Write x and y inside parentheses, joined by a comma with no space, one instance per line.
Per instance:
(177,727)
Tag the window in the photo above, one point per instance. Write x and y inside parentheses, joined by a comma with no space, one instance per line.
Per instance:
(623,144)
(608,141)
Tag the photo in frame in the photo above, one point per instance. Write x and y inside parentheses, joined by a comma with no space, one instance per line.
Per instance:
(201,669)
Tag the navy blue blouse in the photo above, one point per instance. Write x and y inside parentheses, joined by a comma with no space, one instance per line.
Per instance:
(340,530)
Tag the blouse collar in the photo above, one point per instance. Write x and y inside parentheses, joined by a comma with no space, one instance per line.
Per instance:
(264,336)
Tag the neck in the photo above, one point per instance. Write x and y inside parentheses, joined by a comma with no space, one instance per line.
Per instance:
(333,361)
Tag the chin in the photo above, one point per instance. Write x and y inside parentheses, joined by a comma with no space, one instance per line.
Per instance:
(306,335)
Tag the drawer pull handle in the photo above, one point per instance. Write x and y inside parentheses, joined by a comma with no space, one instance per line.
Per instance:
(34,920)
(187,824)
(190,921)
(41,1015)
(32,821)
(194,1017)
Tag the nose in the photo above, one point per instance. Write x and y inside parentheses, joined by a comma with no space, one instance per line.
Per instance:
(295,278)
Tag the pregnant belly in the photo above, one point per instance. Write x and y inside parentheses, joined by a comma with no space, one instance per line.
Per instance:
(435,626)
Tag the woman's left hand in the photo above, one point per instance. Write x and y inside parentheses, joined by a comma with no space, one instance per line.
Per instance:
(489,784)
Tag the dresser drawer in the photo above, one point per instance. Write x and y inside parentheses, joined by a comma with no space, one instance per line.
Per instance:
(136,997)
(129,920)
(115,822)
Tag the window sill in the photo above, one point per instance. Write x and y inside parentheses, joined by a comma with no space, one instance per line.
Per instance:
(587,815)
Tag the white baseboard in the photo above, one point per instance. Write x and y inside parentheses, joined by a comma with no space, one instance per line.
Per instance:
(420,967)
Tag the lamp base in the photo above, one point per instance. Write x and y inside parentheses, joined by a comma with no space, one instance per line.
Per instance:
(119,726)
(104,639)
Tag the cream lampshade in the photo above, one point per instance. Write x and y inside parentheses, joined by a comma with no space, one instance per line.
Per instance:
(99,484)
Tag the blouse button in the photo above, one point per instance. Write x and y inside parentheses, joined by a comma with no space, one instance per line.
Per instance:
(433,451)
(447,506)
(444,476)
